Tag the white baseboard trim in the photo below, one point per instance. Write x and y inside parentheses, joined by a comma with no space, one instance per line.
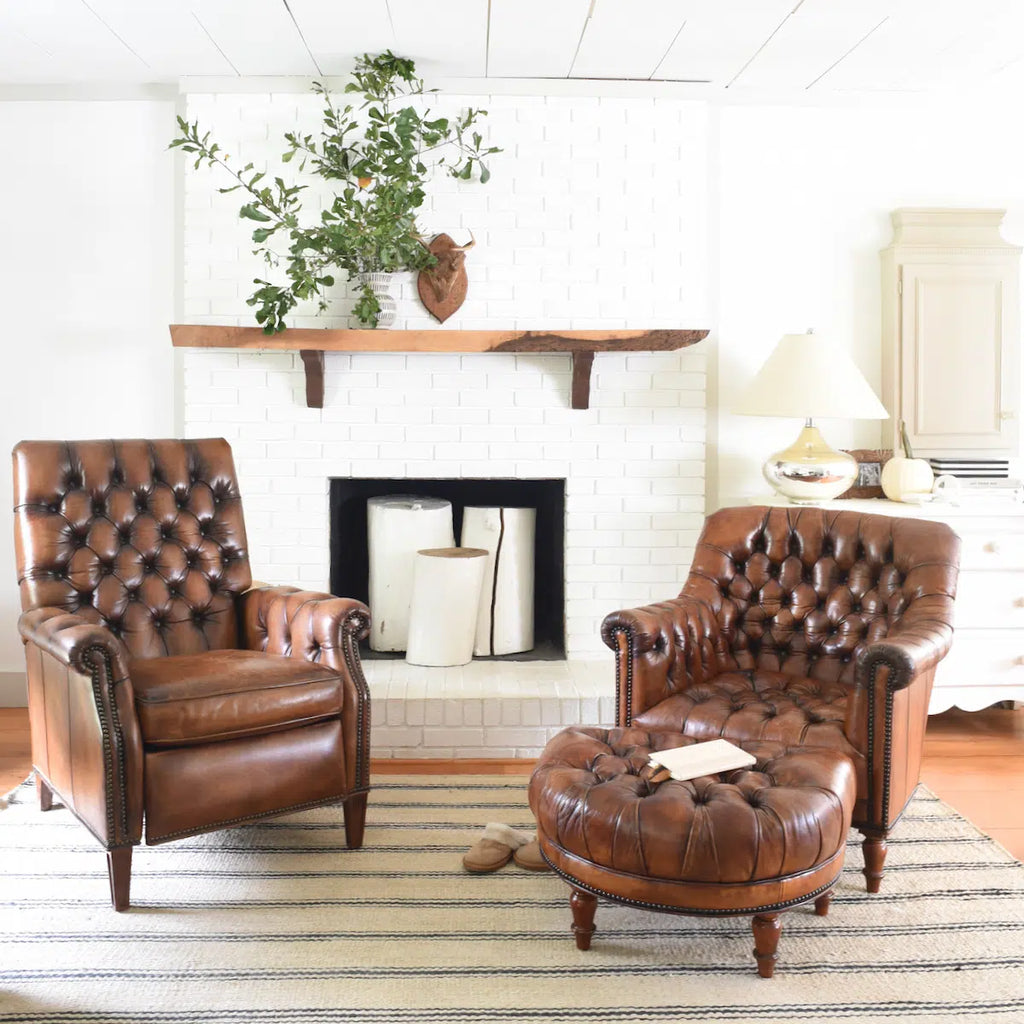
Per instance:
(13,690)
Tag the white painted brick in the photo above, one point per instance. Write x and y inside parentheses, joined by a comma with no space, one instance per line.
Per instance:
(492,712)
(395,736)
(453,737)
(453,712)
(531,712)
(535,738)
(511,712)
(638,452)
(394,713)
(570,712)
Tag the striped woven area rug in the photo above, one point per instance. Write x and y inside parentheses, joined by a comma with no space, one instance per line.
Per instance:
(280,923)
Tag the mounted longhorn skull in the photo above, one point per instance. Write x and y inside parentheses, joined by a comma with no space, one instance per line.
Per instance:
(442,288)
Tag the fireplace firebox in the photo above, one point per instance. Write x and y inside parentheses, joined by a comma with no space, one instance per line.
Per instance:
(350,563)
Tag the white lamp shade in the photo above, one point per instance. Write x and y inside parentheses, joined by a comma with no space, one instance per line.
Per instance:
(810,377)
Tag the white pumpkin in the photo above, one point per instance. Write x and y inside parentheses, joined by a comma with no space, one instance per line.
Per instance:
(902,476)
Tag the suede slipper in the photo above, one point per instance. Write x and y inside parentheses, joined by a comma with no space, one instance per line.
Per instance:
(494,849)
(530,858)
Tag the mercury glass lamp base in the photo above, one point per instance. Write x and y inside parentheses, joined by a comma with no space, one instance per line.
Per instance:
(809,471)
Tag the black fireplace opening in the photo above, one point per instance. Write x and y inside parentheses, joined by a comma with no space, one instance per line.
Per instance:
(350,556)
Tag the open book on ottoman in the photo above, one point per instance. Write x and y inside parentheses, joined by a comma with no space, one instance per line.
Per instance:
(707,758)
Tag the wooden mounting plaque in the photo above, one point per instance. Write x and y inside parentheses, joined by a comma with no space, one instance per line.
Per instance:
(312,343)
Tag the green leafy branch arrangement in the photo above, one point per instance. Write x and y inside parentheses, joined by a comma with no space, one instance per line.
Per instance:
(383,153)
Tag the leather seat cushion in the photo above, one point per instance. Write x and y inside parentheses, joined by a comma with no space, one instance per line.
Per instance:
(221,695)
(788,813)
(758,705)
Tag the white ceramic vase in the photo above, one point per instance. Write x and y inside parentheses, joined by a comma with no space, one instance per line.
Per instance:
(380,285)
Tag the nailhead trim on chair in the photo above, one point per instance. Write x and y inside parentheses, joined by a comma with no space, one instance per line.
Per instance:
(110,726)
(629,676)
(354,626)
(886,739)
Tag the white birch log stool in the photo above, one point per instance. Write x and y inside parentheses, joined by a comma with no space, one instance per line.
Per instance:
(399,525)
(505,622)
(445,600)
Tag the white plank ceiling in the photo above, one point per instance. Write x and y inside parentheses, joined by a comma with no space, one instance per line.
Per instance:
(745,46)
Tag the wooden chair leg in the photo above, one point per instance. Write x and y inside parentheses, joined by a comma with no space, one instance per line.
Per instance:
(875,849)
(119,868)
(767,929)
(354,809)
(822,902)
(584,906)
(44,793)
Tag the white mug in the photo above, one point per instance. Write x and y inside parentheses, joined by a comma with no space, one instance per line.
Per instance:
(946,488)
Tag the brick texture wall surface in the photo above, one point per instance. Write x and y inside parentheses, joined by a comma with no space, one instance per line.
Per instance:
(594,218)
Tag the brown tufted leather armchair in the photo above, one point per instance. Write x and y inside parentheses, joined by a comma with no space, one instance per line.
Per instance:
(163,691)
(808,627)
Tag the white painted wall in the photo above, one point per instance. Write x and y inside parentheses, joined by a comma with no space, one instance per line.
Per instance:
(805,199)
(87,272)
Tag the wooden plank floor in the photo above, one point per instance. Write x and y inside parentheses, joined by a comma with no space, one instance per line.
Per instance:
(973,760)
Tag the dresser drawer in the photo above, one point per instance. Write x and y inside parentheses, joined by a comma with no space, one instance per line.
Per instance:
(983,657)
(990,600)
(993,548)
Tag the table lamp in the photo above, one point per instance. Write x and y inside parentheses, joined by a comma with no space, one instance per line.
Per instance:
(808,376)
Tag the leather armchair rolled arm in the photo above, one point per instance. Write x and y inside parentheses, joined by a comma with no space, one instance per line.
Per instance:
(661,649)
(84,703)
(301,623)
(321,628)
(74,640)
(907,654)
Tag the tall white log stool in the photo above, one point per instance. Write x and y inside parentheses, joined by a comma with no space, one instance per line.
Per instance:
(399,525)
(445,600)
(505,621)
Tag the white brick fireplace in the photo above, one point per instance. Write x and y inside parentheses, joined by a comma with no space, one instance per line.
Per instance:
(594,219)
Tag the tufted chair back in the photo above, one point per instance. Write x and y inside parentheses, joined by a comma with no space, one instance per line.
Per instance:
(143,537)
(802,591)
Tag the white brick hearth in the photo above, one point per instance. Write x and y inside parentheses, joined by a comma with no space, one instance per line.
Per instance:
(559,242)
(485,709)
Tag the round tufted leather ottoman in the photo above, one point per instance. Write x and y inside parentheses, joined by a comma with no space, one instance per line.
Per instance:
(755,841)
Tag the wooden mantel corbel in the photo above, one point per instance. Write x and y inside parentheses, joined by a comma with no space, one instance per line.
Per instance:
(312,343)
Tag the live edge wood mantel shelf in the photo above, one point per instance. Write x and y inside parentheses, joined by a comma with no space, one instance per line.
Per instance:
(311,344)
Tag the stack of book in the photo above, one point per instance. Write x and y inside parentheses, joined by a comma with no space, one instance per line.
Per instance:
(971,469)
(985,479)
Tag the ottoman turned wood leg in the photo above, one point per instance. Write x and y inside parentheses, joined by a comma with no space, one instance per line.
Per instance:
(584,906)
(822,902)
(767,928)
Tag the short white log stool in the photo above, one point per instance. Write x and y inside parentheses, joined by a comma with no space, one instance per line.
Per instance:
(399,525)
(445,599)
(505,622)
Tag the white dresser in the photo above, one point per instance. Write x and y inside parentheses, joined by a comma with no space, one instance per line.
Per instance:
(986,663)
